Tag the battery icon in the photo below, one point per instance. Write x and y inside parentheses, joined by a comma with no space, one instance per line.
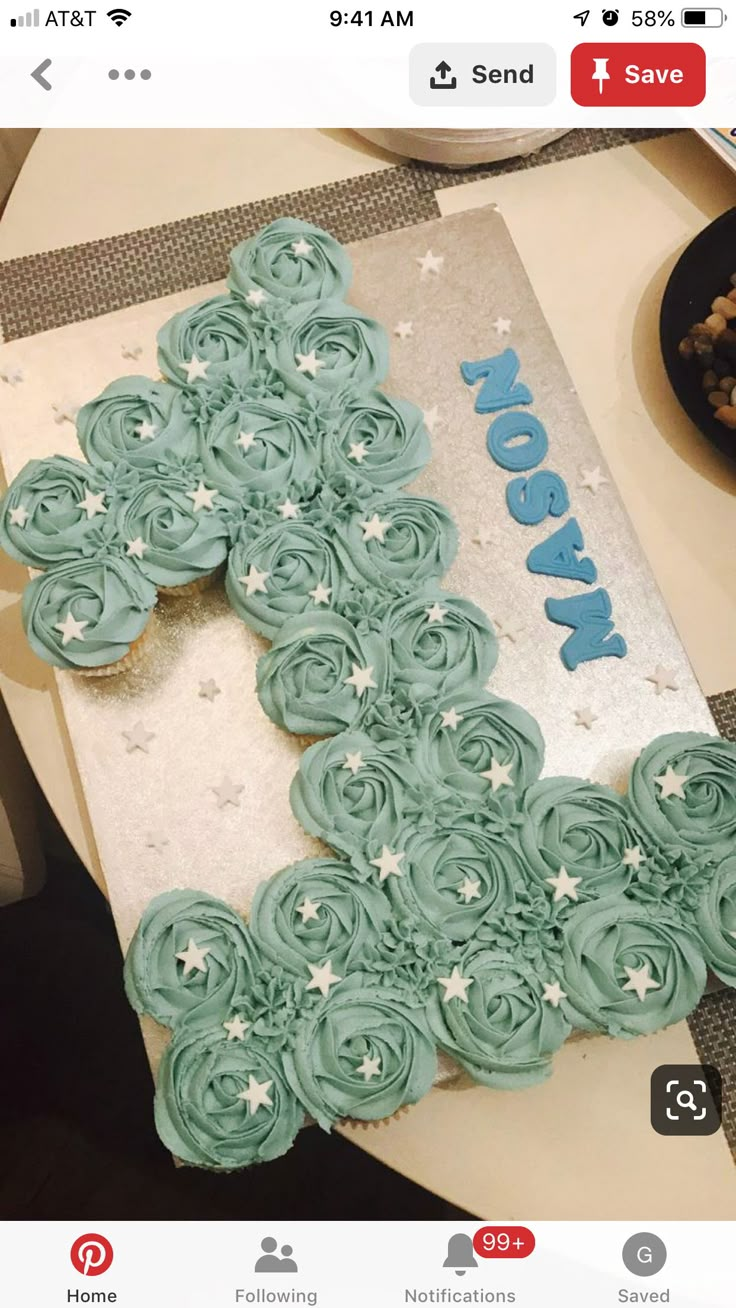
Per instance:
(703,18)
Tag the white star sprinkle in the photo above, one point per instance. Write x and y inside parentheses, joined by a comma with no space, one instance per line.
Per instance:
(663,679)
(209,690)
(193,957)
(507,629)
(553,993)
(357,452)
(309,911)
(309,363)
(138,738)
(671,783)
(565,886)
(633,857)
(288,510)
(369,1068)
(227,793)
(592,479)
(404,330)
(19,516)
(93,504)
(202,497)
(388,864)
(451,718)
(322,978)
(362,679)
(469,890)
(70,629)
(640,981)
(135,549)
(375,528)
(436,613)
(145,430)
(499,774)
(321,594)
(12,376)
(301,247)
(66,411)
(430,263)
(432,419)
(256,297)
(131,351)
(236,1028)
(196,369)
(245,439)
(255,580)
(483,537)
(585,717)
(353,763)
(502,326)
(256,1096)
(456,986)
(155,840)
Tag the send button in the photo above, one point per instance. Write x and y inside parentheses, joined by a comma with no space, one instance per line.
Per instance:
(484,75)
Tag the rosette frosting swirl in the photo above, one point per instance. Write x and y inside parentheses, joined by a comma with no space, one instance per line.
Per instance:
(715,921)
(683,790)
(379,440)
(362,1053)
(465,736)
(224,1103)
(42,517)
(457,874)
(439,641)
(257,445)
(176,536)
(88,612)
(354,792)
(290,260)
(286,570)
(135,419)
(407,540)
(582,828)
(630,969)
(318,910)
(320,675)
(211,340)
(329,346)
(167,978)
(504,1032)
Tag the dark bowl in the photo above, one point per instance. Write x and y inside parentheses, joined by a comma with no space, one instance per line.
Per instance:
(703,272)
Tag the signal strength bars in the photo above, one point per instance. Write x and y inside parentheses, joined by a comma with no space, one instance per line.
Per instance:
(27,20)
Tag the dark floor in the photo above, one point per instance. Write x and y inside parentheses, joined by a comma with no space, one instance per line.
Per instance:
(76,1128)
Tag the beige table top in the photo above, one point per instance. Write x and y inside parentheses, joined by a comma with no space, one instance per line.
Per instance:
(580,1146)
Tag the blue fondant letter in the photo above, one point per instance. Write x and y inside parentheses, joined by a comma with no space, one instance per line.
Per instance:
(500,389)
(590,617)
(523,428)
(557,556)
(530,499)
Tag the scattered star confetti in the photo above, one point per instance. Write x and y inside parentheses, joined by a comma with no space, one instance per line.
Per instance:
(662,679)
(196,369)
(357,452)
(138,738)
(430,263)
(483,537)
(308,911)
(375,528)
(209,690)
(404,330)
(202,497)
(369,1068)
(585,717)
(499,774)
(12,376)
(633,857)
(236,1028)
(66,411)
(71,629)
(321,594)
(133,351)
(92,503)
(456,986)
(301,247)
(256,297)
(256,1096)
(640,980)
(432,419)
(671,783)
(507,629)
(309,363)
(155,840)
(451,718)
(362,679)
(135,549)
(553,993)
(565,886)
(245,439)
(469,890)
(254,581)
(227,793)
(193,957)
(353,763)
(592,479)
(145,430)
(388,864)
(322,978)
(19,516)
(436,613)
(288,510)
(502,326)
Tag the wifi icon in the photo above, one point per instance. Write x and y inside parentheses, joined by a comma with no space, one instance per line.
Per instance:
(119,16)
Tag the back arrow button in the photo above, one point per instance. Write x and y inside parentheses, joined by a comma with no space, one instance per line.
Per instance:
(38,74)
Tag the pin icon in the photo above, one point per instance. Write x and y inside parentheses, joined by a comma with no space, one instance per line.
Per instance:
(601,73)
(91,1254)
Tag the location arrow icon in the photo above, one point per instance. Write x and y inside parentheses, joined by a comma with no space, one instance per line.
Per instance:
(582,17)
(38,74)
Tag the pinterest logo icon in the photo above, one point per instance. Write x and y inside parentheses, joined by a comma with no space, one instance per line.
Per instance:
(91,1255)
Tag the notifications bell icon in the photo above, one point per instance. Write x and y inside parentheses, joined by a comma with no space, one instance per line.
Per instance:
(460,1254)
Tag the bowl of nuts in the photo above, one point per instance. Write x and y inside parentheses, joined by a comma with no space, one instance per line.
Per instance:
(698,332)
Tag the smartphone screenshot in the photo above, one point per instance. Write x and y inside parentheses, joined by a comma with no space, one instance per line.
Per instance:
(367,654)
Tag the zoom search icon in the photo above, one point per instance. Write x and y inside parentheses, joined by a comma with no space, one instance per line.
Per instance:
(91,1254)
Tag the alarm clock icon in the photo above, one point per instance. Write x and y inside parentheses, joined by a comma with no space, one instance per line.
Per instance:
(610,17)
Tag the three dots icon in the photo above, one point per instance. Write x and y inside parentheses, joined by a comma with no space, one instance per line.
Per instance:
(130,74)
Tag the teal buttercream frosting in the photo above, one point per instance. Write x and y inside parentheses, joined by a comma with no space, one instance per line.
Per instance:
(318,910)
(440,642)
(377,439)
(108,600)
(466,733)
(504,1032)
(200,1112)
(259,445)
(321,675)
(361,1025)
(205,982)
(698,811)
(584,828)
(715,920)
(405,541)
(134,420)
(286,570)
(329,346)
(43,520)
(290,260)
(218,335)
(630,968)
(175,534)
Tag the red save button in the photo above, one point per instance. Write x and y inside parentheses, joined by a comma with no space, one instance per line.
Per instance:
(647,76)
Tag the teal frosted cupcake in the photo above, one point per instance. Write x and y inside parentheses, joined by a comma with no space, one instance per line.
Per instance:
(580,839)
(327,347)
(174,530)
(89,616)
(257,446)
(135,420)
(683,791)
(289,260)
(285,571)
(715,920)
(481,747)
(439,642)
(51,509)
(378,440)
(397,543)
(209,342)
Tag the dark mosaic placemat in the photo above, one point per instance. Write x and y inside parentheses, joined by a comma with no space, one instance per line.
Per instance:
(44,291)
